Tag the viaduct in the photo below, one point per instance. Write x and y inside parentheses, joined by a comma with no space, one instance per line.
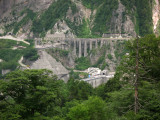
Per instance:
(80,46)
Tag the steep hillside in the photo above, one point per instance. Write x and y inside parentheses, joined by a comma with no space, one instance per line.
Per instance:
(78,18)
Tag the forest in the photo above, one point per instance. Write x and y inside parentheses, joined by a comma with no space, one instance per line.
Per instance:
(39,95)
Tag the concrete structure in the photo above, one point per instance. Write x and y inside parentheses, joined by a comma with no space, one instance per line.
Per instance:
(96,81)
(114,35)
(79,46)
(97,76)
(93,72)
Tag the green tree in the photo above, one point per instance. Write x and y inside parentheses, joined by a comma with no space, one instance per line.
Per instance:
(79,112)
(92,109)
(79,90)
(28,93)
(148,81)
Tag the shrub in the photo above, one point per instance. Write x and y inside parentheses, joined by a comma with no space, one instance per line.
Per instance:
(110,56)
(82,63)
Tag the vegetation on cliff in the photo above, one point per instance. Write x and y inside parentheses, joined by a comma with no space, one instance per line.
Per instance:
(48,19)
(140,12)
(103,17)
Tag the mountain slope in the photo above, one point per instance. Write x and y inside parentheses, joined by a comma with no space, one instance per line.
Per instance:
(81,18)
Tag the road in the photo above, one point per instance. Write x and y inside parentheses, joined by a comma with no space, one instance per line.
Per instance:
(15,39)
(23,65)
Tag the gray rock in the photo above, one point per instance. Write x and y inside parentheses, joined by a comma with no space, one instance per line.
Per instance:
(48,62)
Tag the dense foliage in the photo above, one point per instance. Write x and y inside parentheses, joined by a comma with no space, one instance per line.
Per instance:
(31,54)
(78,75)
(148,79)
(81,31)
(11,56)
(35,94)
(92,4)
(82,63)
(141,14)
(103,17)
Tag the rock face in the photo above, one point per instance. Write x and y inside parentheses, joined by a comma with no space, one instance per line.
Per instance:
(60,30)
(156,15)
(5,5)
(121,23)
(47,62)
(10,12)
(35,5)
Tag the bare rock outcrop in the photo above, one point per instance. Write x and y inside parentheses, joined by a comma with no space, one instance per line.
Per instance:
(35,5)
(156,15)
(121,23)
(48,62)
(60,30)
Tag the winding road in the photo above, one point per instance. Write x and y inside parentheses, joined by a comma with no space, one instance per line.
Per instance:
(23,65)
(15,39)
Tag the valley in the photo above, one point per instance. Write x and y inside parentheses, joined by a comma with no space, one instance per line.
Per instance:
(79,59)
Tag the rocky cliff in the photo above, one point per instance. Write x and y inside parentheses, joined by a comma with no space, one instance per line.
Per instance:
(47,62)
(78,18)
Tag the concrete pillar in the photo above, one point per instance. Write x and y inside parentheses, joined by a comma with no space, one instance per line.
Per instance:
(96,44)
(90,44)
(74,49)
(85,48)
(80,49)
(104,42)
(107,43)
(101,43)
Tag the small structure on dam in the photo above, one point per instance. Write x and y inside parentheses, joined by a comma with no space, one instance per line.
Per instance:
(97,76)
